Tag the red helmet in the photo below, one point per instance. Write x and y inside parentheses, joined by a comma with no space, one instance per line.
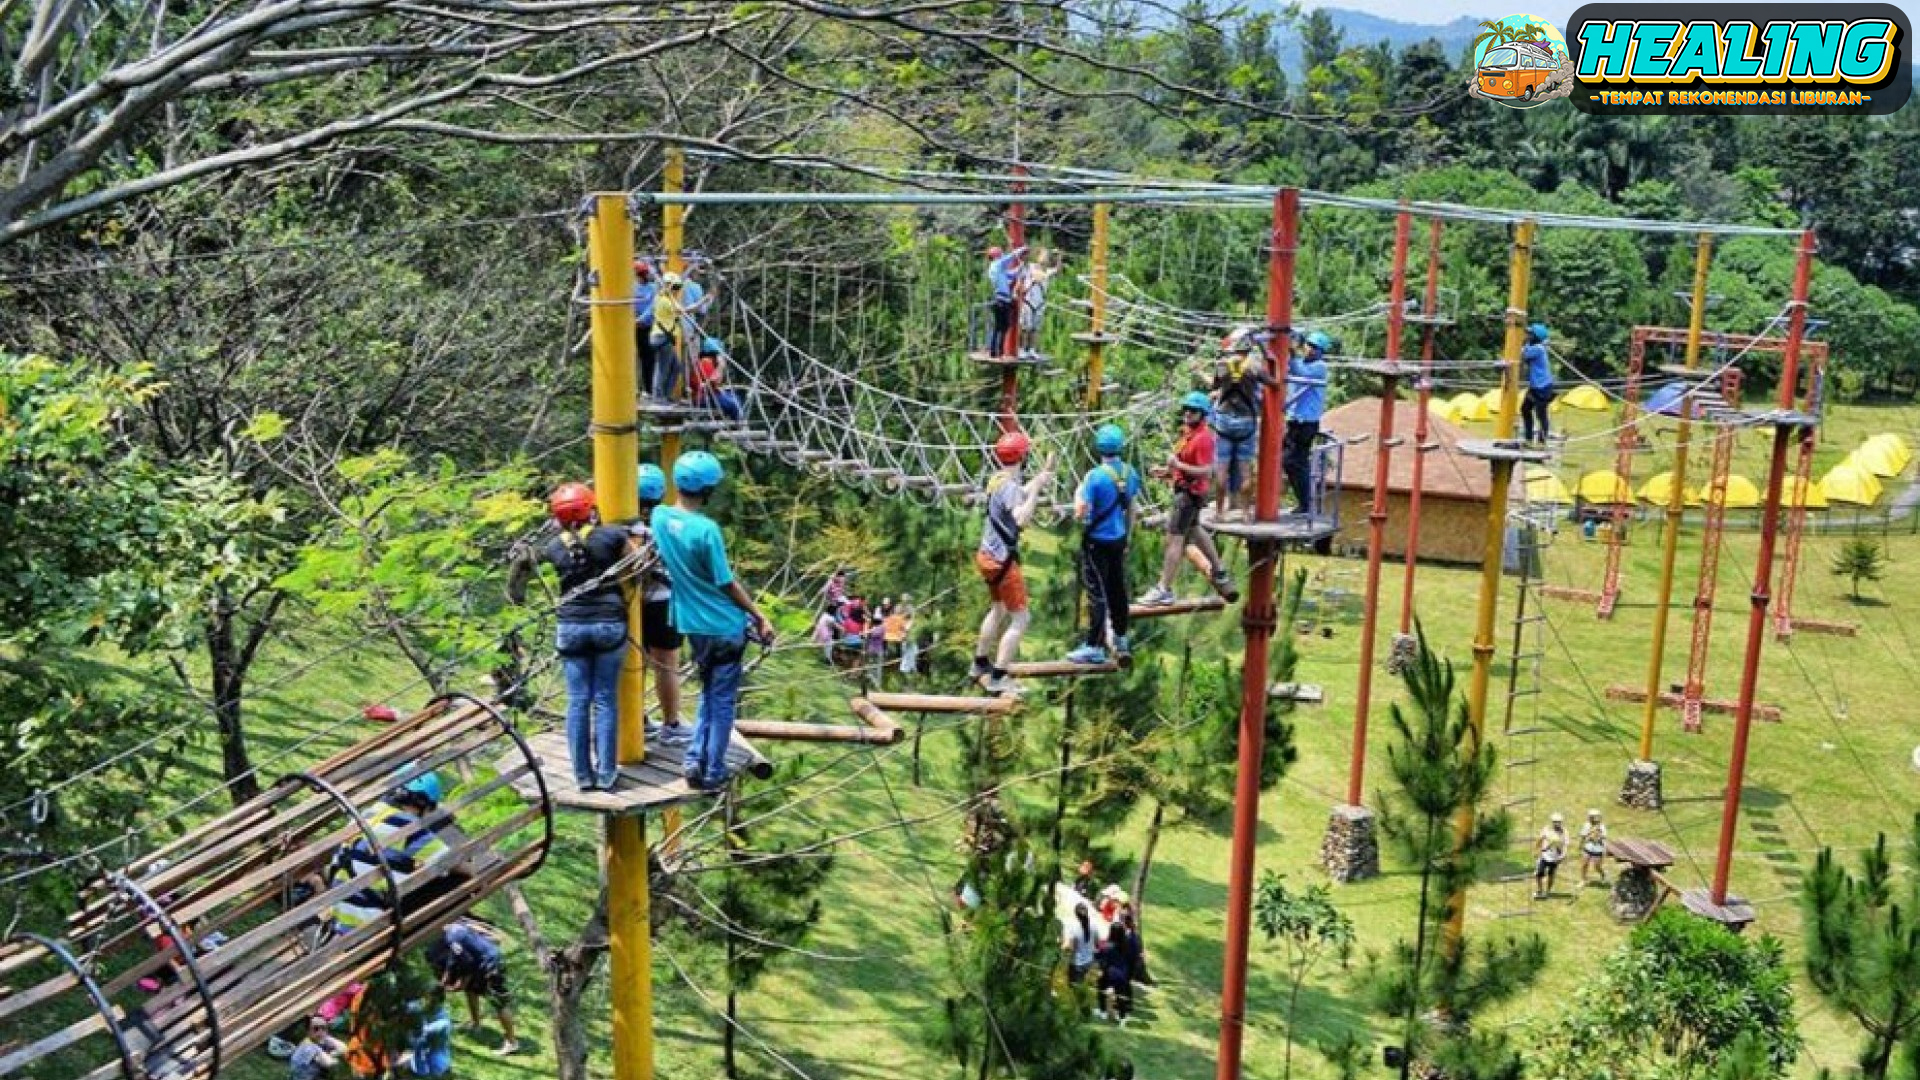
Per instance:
(994,252)
(572,504)
(1012,448)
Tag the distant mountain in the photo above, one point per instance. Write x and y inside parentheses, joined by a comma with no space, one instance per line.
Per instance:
(1362,28)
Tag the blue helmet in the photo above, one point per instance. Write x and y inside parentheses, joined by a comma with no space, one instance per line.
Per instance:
(712,347)
(1319,340)
(697,473)
(426,786)
(1196,400)
(653,483)
(1109,439)
(1539,331)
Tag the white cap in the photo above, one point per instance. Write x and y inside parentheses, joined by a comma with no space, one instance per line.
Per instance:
(1556,818)
(1593,813)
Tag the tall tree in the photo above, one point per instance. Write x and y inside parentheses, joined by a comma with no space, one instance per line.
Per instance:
(1863,947)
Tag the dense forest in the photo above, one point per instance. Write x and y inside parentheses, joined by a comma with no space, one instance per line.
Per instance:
(290,339)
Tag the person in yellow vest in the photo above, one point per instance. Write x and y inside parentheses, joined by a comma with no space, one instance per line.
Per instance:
(669,331)
(1238,387)
(407,827)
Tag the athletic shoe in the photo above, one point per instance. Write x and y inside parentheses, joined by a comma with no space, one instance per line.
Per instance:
(1157,597)
(1099,1014)
(607,784)
(1223,584)
(1004,686)
(1087,654)
(1121,647)
(980,670)
(714,783)
(508,1048)
(672,735)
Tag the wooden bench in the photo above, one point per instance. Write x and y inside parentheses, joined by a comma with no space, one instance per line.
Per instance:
(1640,887)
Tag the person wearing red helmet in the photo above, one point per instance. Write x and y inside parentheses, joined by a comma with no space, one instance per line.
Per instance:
(1010,506)
(592,634)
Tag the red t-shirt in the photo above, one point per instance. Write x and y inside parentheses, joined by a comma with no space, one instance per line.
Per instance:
(705,373)
(1194,448)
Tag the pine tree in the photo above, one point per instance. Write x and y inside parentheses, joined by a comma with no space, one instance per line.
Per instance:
(1863,948)
(1443,772)
(1861,560)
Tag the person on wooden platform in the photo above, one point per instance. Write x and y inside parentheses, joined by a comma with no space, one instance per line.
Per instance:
(592,634)
(1593,848)
(662,642)
(646,289)
(1537,367)
(709,382)
(1238,386)
(711,608)
(1306,404)
(1105,507)
(1190,467)
(1035,279)
(1003,269)
(1011,503)
(669,333)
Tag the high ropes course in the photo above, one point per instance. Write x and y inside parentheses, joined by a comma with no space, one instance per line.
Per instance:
(180,959)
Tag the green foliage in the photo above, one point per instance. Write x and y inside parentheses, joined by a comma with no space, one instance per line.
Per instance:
(1436,820)
(1859,559)
(1307,927)
(1684,999)
(1863,948)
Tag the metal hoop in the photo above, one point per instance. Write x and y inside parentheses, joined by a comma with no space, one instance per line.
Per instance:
(533,762)
(100,1002)
(397,930)
(184,944)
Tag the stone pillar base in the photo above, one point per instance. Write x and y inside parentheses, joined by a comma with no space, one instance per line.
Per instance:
(1642,788)
(1349,851)
(1405,648)
(1634,893)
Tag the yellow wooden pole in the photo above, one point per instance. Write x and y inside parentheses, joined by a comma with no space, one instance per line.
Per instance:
(1097,337)
(616,466)
(1676,504)
(673,238)
(1520,277)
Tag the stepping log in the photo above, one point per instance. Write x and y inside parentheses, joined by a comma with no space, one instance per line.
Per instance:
(783,731)
(1059,669)
(1179,607)
(885,727)
(940,703)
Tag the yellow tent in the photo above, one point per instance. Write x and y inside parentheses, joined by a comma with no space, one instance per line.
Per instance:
(1544,487)
(1816,495)
(1443,409)
(1741,493)
(1896,442)
(1848,483)
(1470,407)
(1491,399)
(1858,460)
(1883,455)
(1659,491)
(1586,398)
(1605,487)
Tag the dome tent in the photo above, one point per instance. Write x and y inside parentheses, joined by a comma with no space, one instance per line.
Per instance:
(1604,487)
(1542,486)
(1848,483)
(1658,490)
(1586,398)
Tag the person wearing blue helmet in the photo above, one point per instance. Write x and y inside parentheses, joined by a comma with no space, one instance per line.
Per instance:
(406,826)
(661,639)
(1306,404)
(710,607)
(1538,366)
(1105,507)
(1190,468)
(1238,387)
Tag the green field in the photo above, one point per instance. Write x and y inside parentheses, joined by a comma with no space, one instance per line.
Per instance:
(1833,773)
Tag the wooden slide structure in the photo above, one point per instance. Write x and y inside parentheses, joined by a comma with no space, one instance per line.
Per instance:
(176,964)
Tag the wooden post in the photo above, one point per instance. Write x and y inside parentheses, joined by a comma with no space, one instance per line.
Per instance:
(1097,337)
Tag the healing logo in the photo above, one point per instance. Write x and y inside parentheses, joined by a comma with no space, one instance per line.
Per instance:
(1521,61)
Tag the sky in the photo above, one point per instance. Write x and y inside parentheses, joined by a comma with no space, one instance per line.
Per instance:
(1440,11)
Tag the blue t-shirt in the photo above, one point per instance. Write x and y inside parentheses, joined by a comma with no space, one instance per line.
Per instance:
(1106,511)
(1000,274)
(692,294)
(643,295)
(1539,367)
(691,546)
(1306,389)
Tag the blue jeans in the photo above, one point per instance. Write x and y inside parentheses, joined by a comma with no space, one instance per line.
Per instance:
(719,662)
(592,654)
(1236,449)
(666,369)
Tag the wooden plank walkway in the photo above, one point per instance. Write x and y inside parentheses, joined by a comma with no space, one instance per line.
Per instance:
(652,784)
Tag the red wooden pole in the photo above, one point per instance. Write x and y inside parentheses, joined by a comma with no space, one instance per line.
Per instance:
(1257,620)
(1783,434)
(1010,348)
(1430,309)
(1377,514)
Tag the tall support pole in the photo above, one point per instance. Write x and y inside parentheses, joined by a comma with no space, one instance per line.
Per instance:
(1010,348)
(616,458)
(1430,312)
(1676,504)
(1626,446)
(1520,280)
(1097,333)
(1693,694)
(1784,432)
(673,239)
(1802,481)
(1258,618)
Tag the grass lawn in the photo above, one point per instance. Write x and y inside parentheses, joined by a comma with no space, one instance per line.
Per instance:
(1836,771)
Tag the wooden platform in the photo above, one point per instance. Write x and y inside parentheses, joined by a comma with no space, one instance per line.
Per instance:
(1299,693)
(1736,914)
(1503,450)
(1648,853)
(1289,529)
(1060,669)
(1568,592)
(1718,706)
(1007,361)
(1825,626)
(1393,369)
(1085,337)
(653,784)
(670,410)
(941,703)
(1178,607)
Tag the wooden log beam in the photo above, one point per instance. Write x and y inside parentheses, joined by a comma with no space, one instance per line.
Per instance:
(1060,669)
(784,731)
(877,719)
(1179,607)
(1719,706)
(941,703)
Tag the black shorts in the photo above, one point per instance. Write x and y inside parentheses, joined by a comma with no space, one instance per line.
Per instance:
(657,625)
(1184,517)
(490,983)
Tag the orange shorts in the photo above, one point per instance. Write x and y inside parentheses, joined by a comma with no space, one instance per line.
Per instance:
(1011,592)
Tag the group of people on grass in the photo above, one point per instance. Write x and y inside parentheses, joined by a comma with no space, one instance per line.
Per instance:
(1209,458)
(1551,850)
(1019,288)
(1114,957)
(675,555)
(674,353)
(878,635)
